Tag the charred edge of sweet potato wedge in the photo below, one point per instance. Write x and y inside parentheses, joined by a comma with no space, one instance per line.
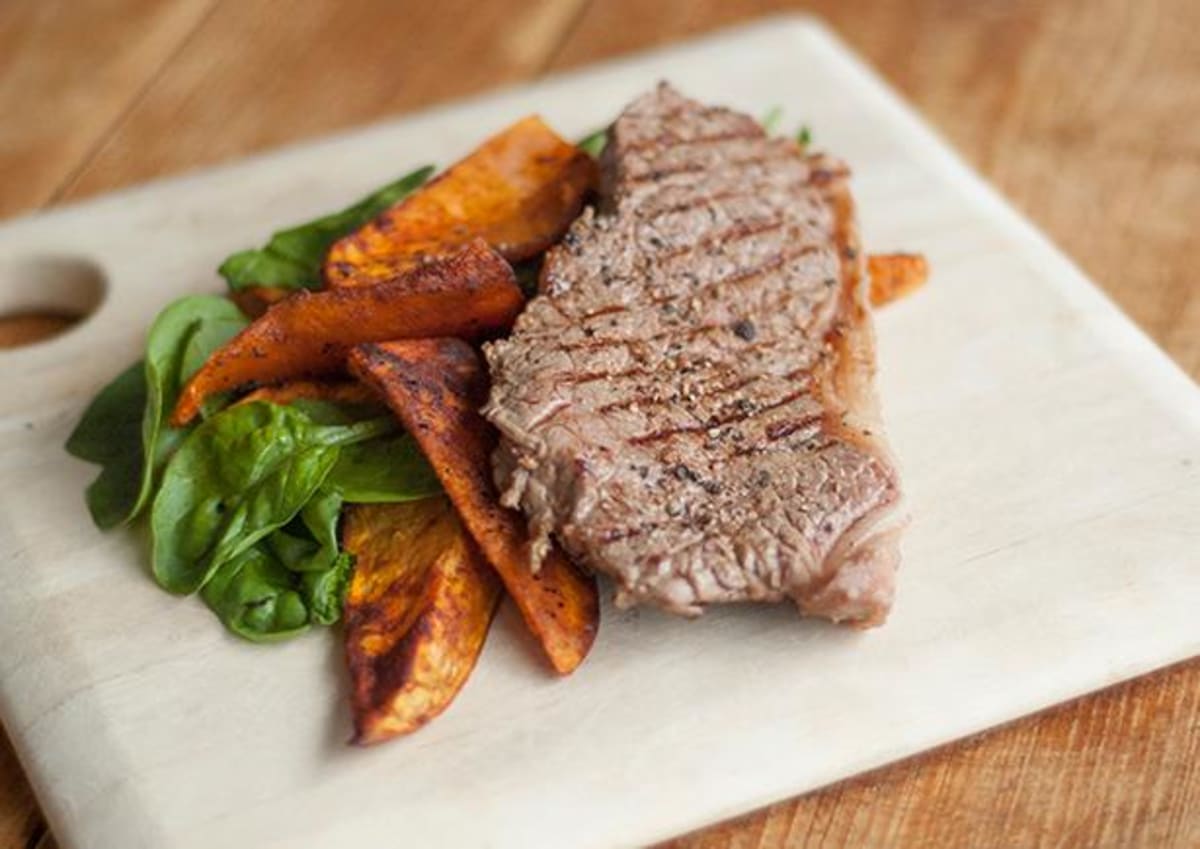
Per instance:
(338,392)
(518,191)
(894,276)
(472,293)
(418,610)
(435,387)
(256,300)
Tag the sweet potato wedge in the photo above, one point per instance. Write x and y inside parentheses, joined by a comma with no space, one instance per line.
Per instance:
(417,613)
(436,387)
(256,300)
(471,293)
(518,191)
(895,275)
(339,392)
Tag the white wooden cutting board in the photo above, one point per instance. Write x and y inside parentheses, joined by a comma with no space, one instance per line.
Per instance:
(1052,457)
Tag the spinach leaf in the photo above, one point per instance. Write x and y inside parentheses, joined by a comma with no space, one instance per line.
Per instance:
(109,434)
(292,258)
(325,592)
(257,597)
(124,429)
(311,551)
(239,476)
(180,340)
(593,143)
(294,578)
(770,121)
(309,542)
(383,470)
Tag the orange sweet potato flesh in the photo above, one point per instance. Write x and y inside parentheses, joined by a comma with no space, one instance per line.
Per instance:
(436,387)
(895,275)
(470,293)
(339,392)
(518,191)
(417,613)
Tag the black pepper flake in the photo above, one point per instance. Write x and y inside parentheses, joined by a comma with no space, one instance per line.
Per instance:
(851,253)
(683,473)
(711,487)
(589,332)
(762,478)
(745,330)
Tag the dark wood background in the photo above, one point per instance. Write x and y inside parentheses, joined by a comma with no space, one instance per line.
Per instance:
(1085,112)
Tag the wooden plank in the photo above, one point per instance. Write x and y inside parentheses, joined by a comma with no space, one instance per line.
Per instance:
(1115,770)
(67,72)
(20,821)
(262,73)
(1084,114)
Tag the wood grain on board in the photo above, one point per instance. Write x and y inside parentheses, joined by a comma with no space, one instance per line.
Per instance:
(1086,114)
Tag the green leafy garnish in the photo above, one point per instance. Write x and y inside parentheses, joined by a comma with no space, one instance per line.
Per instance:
(181,338)
(770,121)
(383,470)
(239,476)
(325,592)
(257,597)
(593,143)
(292,258)
(309,542)
(109,434)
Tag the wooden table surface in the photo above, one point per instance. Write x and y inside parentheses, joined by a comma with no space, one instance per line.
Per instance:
(1085,112)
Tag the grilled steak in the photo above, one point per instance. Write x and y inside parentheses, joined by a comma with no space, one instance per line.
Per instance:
(688,404)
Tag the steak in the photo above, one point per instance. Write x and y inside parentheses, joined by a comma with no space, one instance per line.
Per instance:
(688,404)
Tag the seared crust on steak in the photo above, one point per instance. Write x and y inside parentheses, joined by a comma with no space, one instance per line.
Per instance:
(688,406)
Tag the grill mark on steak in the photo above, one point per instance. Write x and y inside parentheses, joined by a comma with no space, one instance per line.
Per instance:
(646,525)
(716,138)
(745,275)
(688,405)
(592,376)
(627,403)
(729,237)
(738,417)
(658,174)
(737,233)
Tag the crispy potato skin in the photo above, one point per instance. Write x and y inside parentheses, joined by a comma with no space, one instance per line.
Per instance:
(518,191)
(436,387)
(894,276)
(417,613)
(472,293)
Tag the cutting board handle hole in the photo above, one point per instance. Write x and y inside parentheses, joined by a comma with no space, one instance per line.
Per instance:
(44,297)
